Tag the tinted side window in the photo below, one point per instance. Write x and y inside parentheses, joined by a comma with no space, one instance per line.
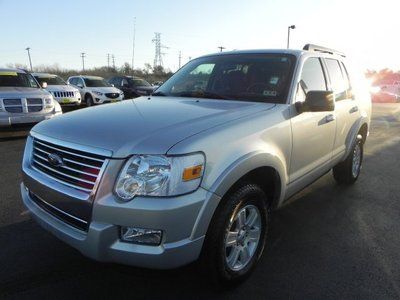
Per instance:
(338,82)
(346,76)
(312,78)
(72,81)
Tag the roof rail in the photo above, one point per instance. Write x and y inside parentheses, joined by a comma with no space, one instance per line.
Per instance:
(312,47)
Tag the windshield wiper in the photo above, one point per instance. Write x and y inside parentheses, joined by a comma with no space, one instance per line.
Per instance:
(161,94)
(207,95)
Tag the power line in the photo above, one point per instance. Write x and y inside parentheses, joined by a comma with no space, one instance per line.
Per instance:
(83,60)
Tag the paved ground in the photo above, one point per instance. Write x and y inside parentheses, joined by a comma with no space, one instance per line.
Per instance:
(332,242)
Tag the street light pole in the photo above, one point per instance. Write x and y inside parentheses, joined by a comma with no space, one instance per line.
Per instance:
(288,34)
(83,60)
(221,48)
(133,44)
(29,55)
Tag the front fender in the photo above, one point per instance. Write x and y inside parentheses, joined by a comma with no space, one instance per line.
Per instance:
(230,176)
(246,164)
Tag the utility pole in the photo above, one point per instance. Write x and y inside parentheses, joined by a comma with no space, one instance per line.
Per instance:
(83,60)
(180,59)
(29,55)
(113,61)
(158,46)
(133,44)
(108,60)
(288,34)
(221,48)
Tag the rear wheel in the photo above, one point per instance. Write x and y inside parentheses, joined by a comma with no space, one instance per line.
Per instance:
(347,172)
(237,236)
(89,100)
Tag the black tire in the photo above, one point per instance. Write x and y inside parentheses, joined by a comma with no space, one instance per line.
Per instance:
(89,100)
(345,172)
(214,253)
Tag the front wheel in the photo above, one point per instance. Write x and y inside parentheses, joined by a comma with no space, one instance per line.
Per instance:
(347,172)
(89,100)
(237,236)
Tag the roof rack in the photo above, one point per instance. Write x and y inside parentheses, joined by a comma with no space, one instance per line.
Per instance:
(312,47)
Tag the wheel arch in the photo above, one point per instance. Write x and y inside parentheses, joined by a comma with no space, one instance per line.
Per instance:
(265,170)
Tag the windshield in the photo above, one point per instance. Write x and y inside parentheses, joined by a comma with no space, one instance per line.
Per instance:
(244,77)
(92,82)
(17,79)
(138,82)
(51,80)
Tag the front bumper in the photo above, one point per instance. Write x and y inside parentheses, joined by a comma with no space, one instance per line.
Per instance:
(8,120)
(180,219)
(71,101)
(103,99)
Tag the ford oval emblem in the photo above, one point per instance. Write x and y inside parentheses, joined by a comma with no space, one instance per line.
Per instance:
(55,160)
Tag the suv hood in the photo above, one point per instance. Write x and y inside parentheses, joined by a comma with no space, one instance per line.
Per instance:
(21,92)
(108,89)
(61,88)
(144,125)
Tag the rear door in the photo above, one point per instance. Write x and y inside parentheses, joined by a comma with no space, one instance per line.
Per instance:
(346,108)
(313,132)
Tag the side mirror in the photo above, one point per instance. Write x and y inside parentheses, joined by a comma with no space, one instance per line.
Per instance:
(80,85)
(44,84)
(112,85)
(317,101)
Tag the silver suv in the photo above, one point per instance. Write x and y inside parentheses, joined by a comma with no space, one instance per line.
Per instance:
(195,170)
(23,101)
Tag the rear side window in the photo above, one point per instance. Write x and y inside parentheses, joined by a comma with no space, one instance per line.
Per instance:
(312,78)
(338,83)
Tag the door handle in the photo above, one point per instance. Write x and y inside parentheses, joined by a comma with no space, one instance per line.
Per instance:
(353,109)
(330,118)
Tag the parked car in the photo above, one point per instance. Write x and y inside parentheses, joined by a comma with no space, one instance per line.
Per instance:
(95,90)
(157,83)
(23,101)
(62,92)
(195,170)
(385,97)
(132,86)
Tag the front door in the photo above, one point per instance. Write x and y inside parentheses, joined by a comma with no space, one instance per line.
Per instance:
(313,132)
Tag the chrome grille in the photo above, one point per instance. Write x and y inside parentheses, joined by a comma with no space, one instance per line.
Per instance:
(13,105)
(79,170)
(34,104)
(63,94)
(17,105)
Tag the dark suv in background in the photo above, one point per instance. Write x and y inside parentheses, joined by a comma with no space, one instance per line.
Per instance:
(132,86)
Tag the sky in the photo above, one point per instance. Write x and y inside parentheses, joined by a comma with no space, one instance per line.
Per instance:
(58,31)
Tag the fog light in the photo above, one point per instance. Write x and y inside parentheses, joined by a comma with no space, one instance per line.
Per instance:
(141,235)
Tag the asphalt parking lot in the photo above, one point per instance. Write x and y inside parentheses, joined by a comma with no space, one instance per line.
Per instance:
(329,242)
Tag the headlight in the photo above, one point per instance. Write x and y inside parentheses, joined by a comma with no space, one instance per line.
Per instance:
(97,93)
(49,102)
(159,175)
